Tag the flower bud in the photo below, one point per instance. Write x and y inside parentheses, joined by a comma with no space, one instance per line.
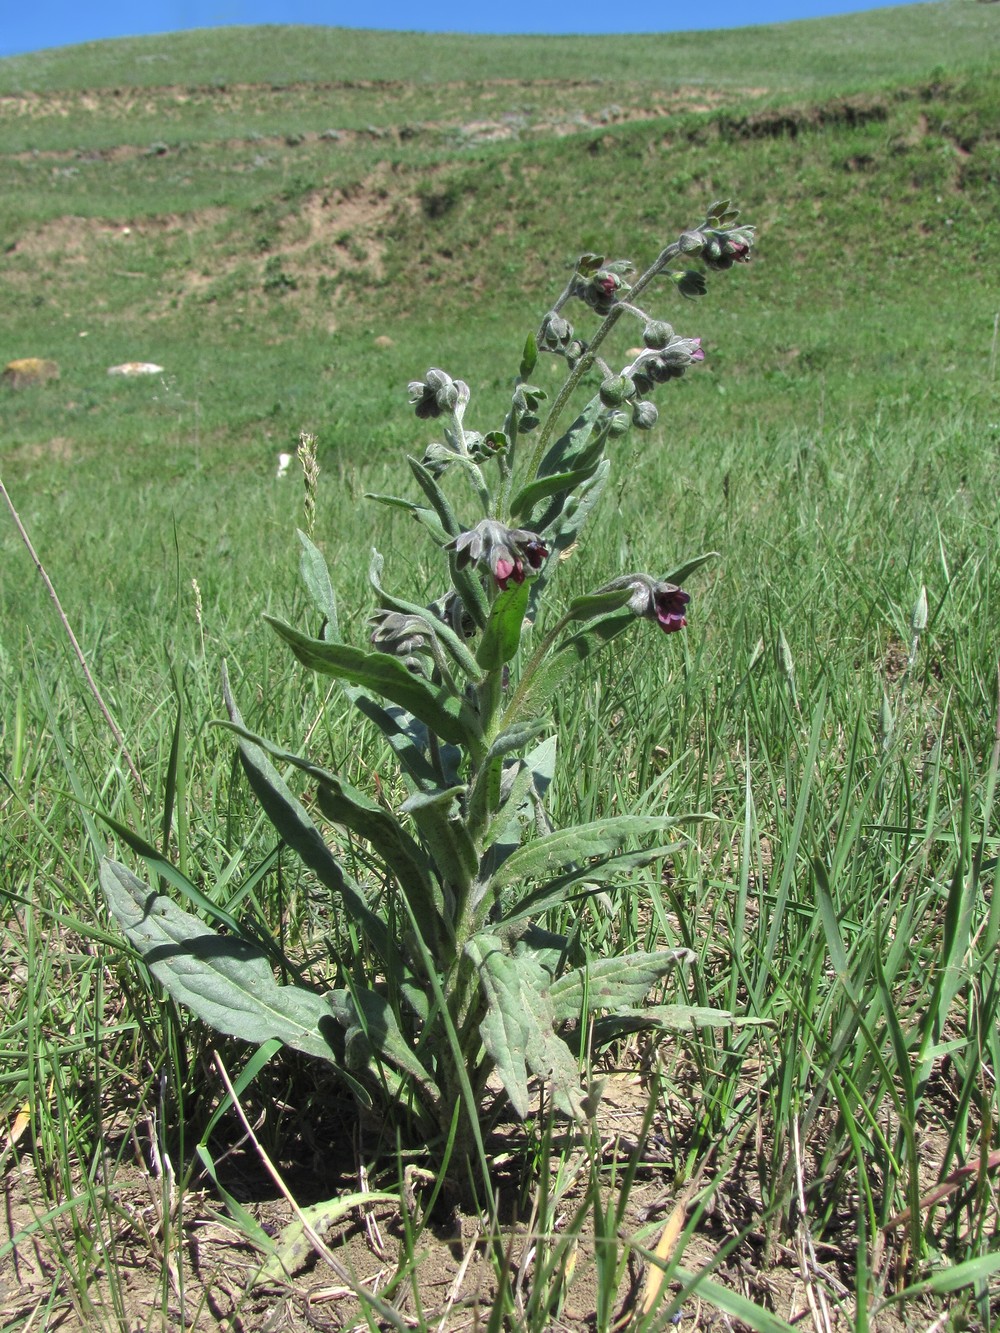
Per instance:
(691,282)
(690,242)
(657,334)
(615,390)
(556,333)
(644,415)
(434,394)
(619,424)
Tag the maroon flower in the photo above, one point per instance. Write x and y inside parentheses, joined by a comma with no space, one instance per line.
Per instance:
(653,599)
(669,602)
(501,549)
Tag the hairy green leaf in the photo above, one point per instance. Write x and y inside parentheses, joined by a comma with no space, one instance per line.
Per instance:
(223,979)
(445,835)
(536,491)
(293,823)
(316,576)
(612,983)
(502,635)
(558,849)
(448,716)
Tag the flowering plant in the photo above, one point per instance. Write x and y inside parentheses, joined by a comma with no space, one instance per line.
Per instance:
(456,994)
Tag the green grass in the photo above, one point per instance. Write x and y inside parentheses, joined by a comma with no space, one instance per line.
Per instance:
(839,449)
(853,51)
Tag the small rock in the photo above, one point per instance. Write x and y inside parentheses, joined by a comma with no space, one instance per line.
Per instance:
(29,370)
(383,340)
(284,463)
(135,368)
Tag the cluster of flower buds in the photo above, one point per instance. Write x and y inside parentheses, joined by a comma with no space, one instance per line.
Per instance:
(502,550)
(403,636)
(657,366)
(600,285)
(437,393)
(525,405)
(718,245)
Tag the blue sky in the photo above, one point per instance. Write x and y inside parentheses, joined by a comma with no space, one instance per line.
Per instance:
(27,26)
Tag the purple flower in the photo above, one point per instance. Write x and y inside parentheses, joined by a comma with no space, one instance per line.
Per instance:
(653,599)
(669,602)
(501,549)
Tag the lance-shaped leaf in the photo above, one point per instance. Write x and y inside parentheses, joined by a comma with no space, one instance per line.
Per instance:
(559,483)
(518,1029)
(583,882)
(505,1028)
(437,497)
(565,454)
(659,1017)
(290,818)
(293,1248)
(450,717)
(226,981)
(522,790)
(529,357)
(421,513)
(612,983)
(536,689)
(593,605)
(406,736)
(345,805)
(486,793)
(558,849)
(316,576)
(689,567)
(445,835)
(502,635)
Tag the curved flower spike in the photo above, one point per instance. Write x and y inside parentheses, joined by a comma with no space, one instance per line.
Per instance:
(501,549)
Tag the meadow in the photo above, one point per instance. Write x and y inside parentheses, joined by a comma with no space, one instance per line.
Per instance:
(294,224)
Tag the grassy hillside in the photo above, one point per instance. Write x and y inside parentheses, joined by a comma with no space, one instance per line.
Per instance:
(294,224)
(844,53)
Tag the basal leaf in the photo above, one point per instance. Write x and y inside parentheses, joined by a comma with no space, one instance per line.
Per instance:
(504,1029)
(371,1029)
(294,1247)
(226,981)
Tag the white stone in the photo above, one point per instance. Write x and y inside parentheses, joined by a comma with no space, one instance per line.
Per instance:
(135,368)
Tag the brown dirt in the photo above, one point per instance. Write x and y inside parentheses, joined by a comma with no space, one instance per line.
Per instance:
(181,1264)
